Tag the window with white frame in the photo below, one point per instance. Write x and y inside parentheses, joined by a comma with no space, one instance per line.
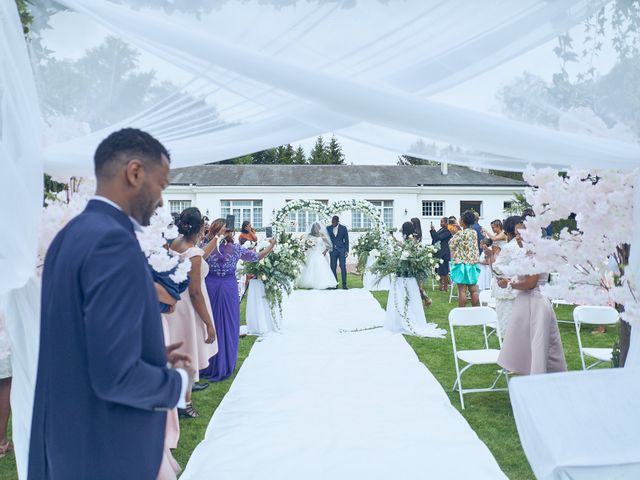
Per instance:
(301,221)
(475,205)
(385,208)
(433,208)
(507,205)
(250,210)
(177,206)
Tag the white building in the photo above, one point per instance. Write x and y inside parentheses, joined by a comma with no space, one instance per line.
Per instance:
(254,192)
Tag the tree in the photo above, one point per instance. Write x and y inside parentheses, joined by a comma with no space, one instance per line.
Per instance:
(285,154)
(590,266)
(334,152)
(299,157)
(318,154)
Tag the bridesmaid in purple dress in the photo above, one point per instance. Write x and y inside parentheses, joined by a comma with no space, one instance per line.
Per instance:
(222,255)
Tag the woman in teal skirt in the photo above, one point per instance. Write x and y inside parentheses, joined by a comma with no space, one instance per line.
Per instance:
(464,260)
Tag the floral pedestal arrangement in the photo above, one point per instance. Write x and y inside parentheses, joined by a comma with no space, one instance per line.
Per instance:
(405,313)
(261,318)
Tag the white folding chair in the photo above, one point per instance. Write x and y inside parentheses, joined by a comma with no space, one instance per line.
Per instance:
(594,315)
(468,317)
(487,300)
(451,294)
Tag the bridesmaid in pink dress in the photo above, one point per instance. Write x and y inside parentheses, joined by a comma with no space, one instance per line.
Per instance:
(192,321)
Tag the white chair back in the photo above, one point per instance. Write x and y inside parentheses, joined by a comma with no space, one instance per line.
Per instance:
(595,315)
(472,316)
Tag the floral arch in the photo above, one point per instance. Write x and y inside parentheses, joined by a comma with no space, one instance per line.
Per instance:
(328,210)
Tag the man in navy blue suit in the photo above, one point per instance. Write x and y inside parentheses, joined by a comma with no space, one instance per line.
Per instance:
(103,384)
(339,236)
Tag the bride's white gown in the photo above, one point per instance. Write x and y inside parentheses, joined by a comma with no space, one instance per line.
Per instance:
(316,273)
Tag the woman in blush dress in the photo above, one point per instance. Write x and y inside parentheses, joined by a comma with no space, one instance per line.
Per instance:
(222,255)
(532,343)
(192,321)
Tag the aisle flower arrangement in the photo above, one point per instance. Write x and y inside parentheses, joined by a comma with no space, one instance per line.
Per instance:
(278,270)
(407,260)
(369,242)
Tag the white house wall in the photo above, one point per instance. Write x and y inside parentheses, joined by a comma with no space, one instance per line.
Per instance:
(404,199)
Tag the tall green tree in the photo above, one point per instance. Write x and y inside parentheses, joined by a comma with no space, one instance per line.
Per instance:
(318,154)
(334,152)
(299,157)
(285,154)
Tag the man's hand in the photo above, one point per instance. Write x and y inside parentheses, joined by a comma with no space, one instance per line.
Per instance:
(170,309)
(346,254)
(177,359)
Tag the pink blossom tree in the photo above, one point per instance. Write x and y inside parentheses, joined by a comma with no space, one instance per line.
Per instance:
(588,263)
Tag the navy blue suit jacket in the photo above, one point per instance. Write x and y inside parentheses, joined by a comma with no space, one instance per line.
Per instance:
(340,241)
(103,386)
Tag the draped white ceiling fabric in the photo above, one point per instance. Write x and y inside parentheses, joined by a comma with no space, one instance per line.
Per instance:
(474,83)
(247,75)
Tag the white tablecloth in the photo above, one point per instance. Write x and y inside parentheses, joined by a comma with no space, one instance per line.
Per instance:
(260,318)
(405,313)
(373,282)
(580,425)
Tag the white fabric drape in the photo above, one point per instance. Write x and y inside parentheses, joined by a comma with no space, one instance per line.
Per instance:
(260,316)
(21,191)
(405,313)
(313,92)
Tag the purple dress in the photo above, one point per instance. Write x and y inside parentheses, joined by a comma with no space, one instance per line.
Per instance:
(222,288)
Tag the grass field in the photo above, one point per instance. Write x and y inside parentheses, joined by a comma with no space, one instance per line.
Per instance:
(489,414)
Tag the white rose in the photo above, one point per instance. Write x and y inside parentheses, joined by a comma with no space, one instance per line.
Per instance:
(264,278)
(404,256)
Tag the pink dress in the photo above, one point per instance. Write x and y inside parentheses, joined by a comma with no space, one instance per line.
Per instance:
(169,468)
(532,343)
(185,325)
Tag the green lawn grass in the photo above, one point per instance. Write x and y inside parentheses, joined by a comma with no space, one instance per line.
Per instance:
(489,414)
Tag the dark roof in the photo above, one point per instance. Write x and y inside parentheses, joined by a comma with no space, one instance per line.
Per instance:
(335,175)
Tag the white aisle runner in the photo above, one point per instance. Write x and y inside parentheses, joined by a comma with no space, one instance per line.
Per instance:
(321,402)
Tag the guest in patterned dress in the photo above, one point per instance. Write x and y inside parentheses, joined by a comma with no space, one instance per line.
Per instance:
(222,255)
(464,260)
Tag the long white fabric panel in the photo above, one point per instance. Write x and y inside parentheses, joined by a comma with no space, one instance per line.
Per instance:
(315,403)
(310,93)
(579,425)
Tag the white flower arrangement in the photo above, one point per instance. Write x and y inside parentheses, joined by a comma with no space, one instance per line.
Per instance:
(278,270)
(71,202)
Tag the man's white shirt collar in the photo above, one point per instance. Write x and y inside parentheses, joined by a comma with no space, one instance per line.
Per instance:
(136,226)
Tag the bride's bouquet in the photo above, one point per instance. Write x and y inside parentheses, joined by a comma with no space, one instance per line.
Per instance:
(278,270)
(409,259)
(308,243)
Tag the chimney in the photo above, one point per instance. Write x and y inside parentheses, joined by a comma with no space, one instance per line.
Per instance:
(444,168)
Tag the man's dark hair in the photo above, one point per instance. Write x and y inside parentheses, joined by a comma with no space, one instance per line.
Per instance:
(528,212)
(123,145)
(510,224)
(335,217)
(408,229)
(469,218)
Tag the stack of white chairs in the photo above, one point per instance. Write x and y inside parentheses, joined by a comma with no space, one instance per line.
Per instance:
(474,317)
(594,315)
(451,294)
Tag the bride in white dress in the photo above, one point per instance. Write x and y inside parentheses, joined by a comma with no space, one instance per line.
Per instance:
(316,272)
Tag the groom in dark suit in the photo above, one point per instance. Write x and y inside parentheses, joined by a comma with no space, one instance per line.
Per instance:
(103,385)
(339,236)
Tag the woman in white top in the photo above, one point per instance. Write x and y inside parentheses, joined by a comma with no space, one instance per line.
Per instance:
(504,297)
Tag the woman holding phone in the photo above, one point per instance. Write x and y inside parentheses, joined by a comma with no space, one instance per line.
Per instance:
(222,256)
